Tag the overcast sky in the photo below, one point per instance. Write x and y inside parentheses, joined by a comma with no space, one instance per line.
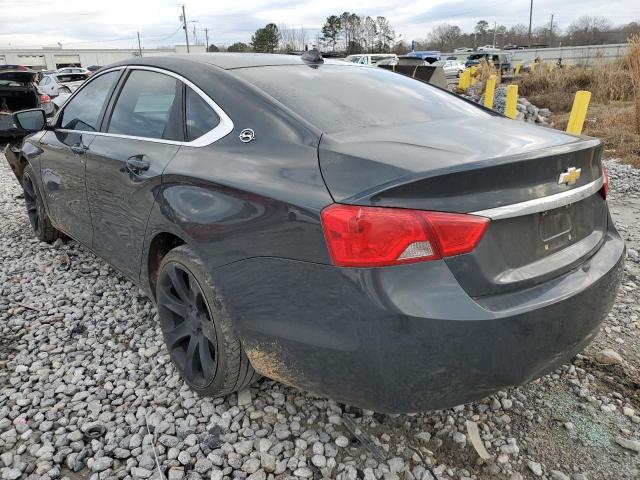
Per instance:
(113,23)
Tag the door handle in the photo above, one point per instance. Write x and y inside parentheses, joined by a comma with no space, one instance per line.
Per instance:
(137,164)
(78,148)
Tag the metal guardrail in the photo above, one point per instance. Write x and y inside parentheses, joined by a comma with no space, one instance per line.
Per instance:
(584,54)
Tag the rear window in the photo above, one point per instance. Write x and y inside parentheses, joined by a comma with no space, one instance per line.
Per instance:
(200,117)
(336,98)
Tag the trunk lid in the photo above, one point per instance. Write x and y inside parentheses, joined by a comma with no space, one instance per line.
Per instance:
(16,76)
(465,166)
(17,92)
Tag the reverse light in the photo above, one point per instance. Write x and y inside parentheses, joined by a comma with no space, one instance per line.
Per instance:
(604,191)
(379,236)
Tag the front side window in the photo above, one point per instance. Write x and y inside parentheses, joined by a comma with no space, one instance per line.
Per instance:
(200,117)
(148,106)
(83,111)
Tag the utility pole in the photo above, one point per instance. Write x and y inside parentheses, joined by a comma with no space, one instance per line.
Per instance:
(206,36)
(184,26)
(551,32)
(530,18)
(139,46)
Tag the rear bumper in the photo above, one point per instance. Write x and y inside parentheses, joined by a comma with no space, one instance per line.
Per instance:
(408,338)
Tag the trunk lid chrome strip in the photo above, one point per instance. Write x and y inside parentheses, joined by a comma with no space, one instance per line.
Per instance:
(542,204)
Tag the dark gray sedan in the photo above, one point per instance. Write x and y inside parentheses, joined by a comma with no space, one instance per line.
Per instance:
(346,230)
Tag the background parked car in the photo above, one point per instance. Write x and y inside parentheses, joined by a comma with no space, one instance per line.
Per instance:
(18,91)
(428,56)
(370,58)
(488,48)
(501,61)
(82,70)
(61,83)
(452,68)
(463,50)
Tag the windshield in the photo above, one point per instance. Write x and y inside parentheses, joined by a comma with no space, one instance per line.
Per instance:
(336,98)
(353,58)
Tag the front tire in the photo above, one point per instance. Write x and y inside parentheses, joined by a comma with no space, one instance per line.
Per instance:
(38,218)
(197,331)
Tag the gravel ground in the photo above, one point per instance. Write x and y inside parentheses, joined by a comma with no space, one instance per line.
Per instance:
(87,391)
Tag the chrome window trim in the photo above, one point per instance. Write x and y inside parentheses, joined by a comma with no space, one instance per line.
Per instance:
(224,128)
(542,204)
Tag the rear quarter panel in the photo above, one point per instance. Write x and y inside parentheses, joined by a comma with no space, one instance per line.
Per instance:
(232,200)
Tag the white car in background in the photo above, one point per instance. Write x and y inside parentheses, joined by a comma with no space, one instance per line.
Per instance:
(488,48)
(370,58)
(463,50)
(452,68)
(54,84)
(75,70)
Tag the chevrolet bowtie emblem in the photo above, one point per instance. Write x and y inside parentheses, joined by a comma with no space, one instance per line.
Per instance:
(569,177)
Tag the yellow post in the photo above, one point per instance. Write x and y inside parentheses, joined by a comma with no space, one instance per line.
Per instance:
(510,109)
(517,70)
(474,79)
(578,112)
(490,91)
(464,80)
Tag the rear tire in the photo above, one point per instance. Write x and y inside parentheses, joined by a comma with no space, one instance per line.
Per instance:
(40,223)
(198,333)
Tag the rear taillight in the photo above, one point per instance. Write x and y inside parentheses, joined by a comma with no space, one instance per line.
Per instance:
(44,98)
(604,191)
(376,236)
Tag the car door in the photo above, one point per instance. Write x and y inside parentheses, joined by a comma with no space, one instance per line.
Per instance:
(64,157)
(142,132)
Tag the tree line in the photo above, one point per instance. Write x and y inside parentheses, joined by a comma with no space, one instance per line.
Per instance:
(351,33)
(347,33)
(586,30)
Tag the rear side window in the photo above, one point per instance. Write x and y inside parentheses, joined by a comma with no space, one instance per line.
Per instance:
(83,111)
(344,97)
(149,106)
(200,117)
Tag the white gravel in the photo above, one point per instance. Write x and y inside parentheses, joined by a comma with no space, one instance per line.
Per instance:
(80,350)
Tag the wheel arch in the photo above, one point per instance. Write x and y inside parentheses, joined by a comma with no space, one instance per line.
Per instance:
(161,244)
(17,160)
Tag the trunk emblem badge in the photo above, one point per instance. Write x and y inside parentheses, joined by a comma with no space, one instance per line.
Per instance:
(569,177)
(246,135)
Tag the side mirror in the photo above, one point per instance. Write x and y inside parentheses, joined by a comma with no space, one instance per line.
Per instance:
(30,121)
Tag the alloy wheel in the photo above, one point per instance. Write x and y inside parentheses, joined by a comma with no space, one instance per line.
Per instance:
(187,324)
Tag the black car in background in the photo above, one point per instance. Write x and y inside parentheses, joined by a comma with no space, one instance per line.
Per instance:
(18,91)
(343,229)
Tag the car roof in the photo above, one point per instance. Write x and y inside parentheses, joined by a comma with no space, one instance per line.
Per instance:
(227,61)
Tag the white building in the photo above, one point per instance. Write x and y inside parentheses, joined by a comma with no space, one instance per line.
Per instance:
(53,58)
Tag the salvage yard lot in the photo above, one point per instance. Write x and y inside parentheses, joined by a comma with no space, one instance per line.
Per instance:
(80,347)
